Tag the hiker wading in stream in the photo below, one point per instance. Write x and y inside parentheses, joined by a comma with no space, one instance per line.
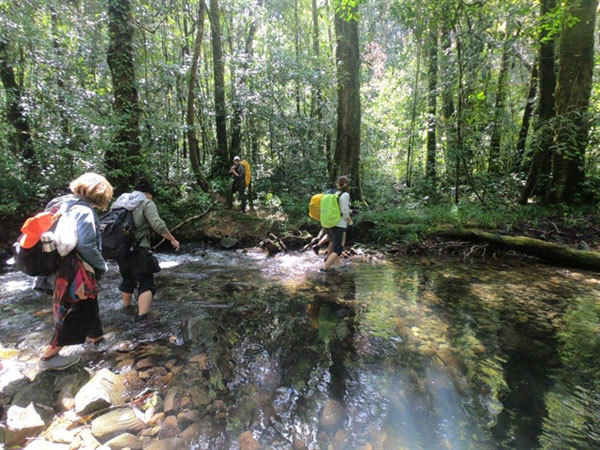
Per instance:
(337,233)
(137,269)
(75,295)
(238,172)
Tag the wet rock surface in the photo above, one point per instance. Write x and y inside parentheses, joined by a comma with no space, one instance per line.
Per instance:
(249,351)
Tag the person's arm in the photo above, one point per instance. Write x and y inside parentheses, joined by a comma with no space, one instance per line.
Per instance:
(87,244)
(157,224)
(345,207)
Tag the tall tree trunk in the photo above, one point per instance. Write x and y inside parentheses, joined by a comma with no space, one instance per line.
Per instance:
(496,137)
(21,142)
(236,121)
(413,118)
(347,149)
(542,145)
(190,115)
(222,160)
(297,54)
(123,158)
(325,144)
(527,113)
(448,110)
(573,90)
(432,74)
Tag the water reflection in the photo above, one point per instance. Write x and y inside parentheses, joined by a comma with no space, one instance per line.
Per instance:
(413,354)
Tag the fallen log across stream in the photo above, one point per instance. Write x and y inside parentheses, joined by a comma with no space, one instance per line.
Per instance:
(552,253)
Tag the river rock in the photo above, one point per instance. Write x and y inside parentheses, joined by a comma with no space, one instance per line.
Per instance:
(170,400)
(116,422)
(11,378)
(229,242)
(170,427)
(166,444)
(23,422)
(333,414)
(85,439)
(68,386)
(247,441)
(40,392)
(60,435)
(190,434)
(40,444)
(188,415)
(103,390)
(125,440)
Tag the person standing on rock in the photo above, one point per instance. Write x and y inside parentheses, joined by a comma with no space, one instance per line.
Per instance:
(75,295)
(238,172)
(137,269)
(337,234)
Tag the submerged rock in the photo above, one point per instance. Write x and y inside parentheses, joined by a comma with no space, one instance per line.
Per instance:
(40,392)
(166,444)
(333,414)
(190,434)
(22,423)
(116,422)
(103,390)
(170,427)
(247,441)
(125,440)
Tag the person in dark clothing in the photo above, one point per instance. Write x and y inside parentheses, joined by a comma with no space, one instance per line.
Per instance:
(238,172)
(137,269)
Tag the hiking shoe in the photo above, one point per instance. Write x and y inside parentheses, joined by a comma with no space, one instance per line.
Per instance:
(323,270)
(142,318)
(59,362)
(315,249)
(129,310)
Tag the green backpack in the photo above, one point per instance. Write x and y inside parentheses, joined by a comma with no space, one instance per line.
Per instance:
(330,210)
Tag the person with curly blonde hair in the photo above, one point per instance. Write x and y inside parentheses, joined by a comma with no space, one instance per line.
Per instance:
(76,313)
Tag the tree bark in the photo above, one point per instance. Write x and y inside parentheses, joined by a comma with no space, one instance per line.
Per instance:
(236,121)
(573,90)
(527,114)
(123,158)
(413,118)
(448,111)
(193,146)
(430,169)
(21,142)
(496,137)
(347,149)
(542,142)
(222,159)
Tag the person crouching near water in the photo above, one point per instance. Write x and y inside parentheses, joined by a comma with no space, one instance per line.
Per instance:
(75,295)
(137,269)
(337,234)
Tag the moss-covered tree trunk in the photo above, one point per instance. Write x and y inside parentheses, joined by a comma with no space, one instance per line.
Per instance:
(573,89)
(346,159)
(123,157)
(221,160)
(542,142)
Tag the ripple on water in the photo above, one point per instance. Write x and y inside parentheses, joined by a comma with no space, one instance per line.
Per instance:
(388,354)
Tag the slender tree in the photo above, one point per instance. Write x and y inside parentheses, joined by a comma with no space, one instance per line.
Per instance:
(190,111)
(221,160)
(432,75)
(573,90)
(347,150)
(527,114)
(123,158)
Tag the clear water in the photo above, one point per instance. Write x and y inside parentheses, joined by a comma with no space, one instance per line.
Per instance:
(411,353)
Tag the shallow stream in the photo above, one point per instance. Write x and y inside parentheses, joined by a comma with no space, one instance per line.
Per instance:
(415,353)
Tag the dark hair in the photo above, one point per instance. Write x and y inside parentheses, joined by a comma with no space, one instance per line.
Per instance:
(343,183)
(145,186)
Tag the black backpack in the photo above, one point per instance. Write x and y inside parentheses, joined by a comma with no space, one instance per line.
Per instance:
(118,234)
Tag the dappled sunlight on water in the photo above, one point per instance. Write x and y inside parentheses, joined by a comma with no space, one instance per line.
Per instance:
(411,353)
